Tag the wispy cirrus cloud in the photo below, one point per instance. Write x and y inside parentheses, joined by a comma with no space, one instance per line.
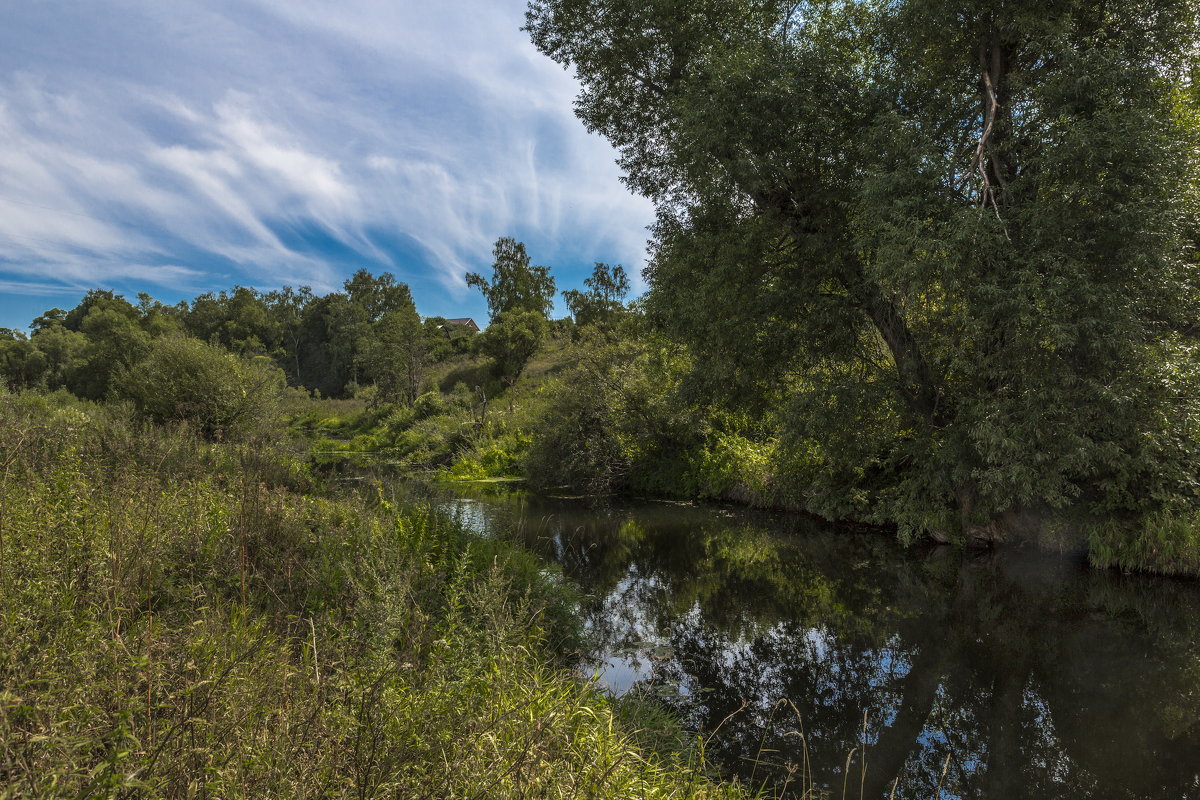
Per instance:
(193,145)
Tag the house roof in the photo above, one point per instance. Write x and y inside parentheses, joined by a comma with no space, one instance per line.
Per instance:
(470,323)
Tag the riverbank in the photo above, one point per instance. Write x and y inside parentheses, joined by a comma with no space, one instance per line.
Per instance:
(184,618)
(565,425)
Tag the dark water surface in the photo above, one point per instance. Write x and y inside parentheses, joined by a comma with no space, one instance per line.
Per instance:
(1005,675)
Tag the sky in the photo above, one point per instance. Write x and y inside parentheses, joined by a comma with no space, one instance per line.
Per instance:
(189,146)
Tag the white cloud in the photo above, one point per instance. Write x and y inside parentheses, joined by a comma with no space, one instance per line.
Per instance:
(31,288)
(144,134)
(383,164)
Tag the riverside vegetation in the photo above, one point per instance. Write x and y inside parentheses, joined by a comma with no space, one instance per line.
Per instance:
(925,266)
(184,617)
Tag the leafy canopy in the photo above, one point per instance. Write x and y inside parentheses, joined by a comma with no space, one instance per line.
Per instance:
(604,299)
(951,238)
(515,285)
(512,339)
(182,378)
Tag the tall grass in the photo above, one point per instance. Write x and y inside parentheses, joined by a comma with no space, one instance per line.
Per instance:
(1164,542)
(183,618)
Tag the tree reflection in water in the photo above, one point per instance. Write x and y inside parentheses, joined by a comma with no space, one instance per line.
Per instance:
(1008,675)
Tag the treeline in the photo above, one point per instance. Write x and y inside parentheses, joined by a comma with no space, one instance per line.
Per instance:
(369,333)
(365,340)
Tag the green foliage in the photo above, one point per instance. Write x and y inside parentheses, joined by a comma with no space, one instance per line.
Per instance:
(511,340)
(954,240)
(613,420)
(580,439)
(1165,542)
(732,467)
(470,375)
(362,335)
(444,341)
(240,321)
(377,296)
(370,335)
(499,458)
(184,379)
(604,300)
(54,352)
(175,622)
(158,319)
(516,285)
(393,354)
(112,339)
(307,415)
(287,307)
(327,341)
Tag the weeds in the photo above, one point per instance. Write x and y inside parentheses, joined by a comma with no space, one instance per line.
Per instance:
(187,618)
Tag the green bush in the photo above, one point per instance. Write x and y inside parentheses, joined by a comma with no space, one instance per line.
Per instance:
(601,419)
(511,340)
(618,419)
(493,458)
(732,467)
(186,379)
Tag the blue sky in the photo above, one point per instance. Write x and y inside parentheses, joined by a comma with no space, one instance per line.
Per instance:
(188,146)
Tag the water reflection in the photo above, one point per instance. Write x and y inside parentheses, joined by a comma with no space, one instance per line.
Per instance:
(800,645)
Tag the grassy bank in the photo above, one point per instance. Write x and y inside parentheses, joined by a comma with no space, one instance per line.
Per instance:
(469,424)
(1163,543)
(472,425)
(186,618)
(603,417)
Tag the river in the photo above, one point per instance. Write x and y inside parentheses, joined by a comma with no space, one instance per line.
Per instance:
(797,647)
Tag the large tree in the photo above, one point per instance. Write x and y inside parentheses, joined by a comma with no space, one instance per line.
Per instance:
(240,320)
(112,337)
(377,295)
(393,355)
(512,339)
(516,284)
(287,307)
(388,344)
(947,234)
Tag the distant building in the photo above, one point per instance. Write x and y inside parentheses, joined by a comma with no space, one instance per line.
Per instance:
(467,321)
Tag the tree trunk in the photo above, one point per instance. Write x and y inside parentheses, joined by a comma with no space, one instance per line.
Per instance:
(996,60)
(896,743)
(915,382)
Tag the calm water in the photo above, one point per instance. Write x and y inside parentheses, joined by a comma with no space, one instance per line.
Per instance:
(1018,675)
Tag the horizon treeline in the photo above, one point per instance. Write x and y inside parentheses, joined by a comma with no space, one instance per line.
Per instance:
(328,343)
(368,334)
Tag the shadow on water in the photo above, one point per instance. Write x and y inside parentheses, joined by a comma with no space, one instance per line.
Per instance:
(1006,675)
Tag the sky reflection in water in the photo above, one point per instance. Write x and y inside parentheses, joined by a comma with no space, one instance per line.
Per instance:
(997,676)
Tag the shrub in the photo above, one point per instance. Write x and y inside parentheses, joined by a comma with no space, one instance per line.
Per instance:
(614,421)
(186,379)
(172,633)
(498,458)
(732,467)
(512,338)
